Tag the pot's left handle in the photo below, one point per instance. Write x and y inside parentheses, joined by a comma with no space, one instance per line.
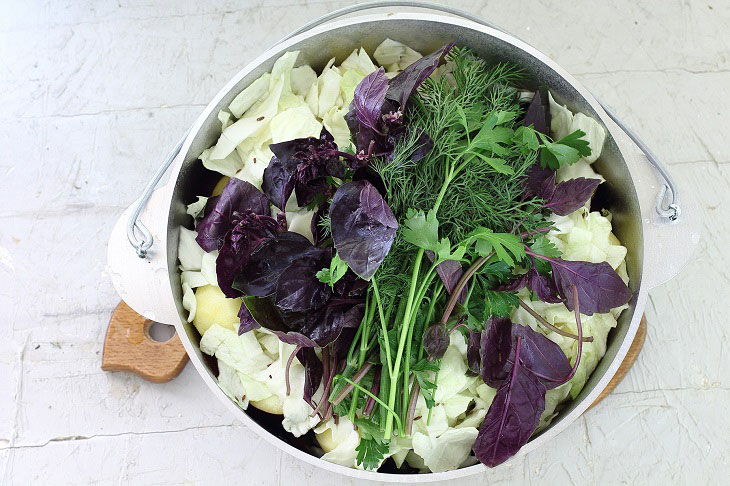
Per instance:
(144,283)
(137,252)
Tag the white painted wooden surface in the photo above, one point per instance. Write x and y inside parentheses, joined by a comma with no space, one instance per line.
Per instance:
(93,93)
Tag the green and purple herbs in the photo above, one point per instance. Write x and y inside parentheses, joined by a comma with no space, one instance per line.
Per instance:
(438,228)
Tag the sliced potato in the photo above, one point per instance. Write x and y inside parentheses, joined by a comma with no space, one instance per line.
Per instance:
(271,404)
(218,189)
(325,440)
(213,307)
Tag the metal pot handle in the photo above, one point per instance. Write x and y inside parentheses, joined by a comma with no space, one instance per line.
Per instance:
(667,203)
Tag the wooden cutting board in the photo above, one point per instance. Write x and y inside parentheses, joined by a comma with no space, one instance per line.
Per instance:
(128,346)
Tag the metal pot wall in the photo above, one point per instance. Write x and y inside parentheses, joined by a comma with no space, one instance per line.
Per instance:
(658,242)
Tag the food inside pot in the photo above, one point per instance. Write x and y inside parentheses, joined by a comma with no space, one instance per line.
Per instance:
(401,256)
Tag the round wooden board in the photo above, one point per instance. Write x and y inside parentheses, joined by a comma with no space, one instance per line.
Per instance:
(128,347)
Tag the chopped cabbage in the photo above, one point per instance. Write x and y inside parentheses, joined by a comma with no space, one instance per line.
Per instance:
(298,122)
(334,122)
(197,207)
(563,122)
(193,279)
(227,165)
(242,353)
(329,91)
(188,301)
(189,252)
(302,78)
(301,222)
(297,412)
(447,451)
(230,383)
(207,267)
(256,121)
(395,55)
(595,134)
(254,92)
(560,118)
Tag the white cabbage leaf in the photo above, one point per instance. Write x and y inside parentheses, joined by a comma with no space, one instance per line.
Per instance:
(252,94)
(207,267)
(301,222)
(240,352)
(447,451)
(195,208)
(297,420)
(395,55)
(302,78)
(193,279)
(189,252)
(293,123)
(188,301)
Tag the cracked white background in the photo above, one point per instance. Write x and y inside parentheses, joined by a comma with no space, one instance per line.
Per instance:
(94,93)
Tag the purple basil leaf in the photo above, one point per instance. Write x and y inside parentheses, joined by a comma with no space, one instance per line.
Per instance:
(497,350)
(248,232)
(538,113)
(543,286)
(238,196)
(369,97)
(541,356)
(538,354)
(405,83)
(600,289)
(436,340)
(299,289)
(278,182)
(512,418)
(283,324)
(363,227)
(327,325)
(312,372)
(513,285)
(540,182)
(248,323)
(570,195)
(450,271)
(260,275)
(473,357)
(350,285)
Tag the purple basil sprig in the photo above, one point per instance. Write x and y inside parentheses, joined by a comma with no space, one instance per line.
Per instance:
(302,166)
(238,196)
(363,227)
(562,198)
(522,364)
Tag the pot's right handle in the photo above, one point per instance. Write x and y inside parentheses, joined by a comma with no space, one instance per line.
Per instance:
(671,227)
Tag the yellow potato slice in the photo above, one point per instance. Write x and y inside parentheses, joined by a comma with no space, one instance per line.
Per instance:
(213,307)
(218,189)
(271,404)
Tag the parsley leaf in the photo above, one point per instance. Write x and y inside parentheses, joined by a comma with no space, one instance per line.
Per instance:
(526,139)
(421,229)
(499,303)
(336,271)
(372,448)
(422,372)
(506,246)
(568,150)
(543,246)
